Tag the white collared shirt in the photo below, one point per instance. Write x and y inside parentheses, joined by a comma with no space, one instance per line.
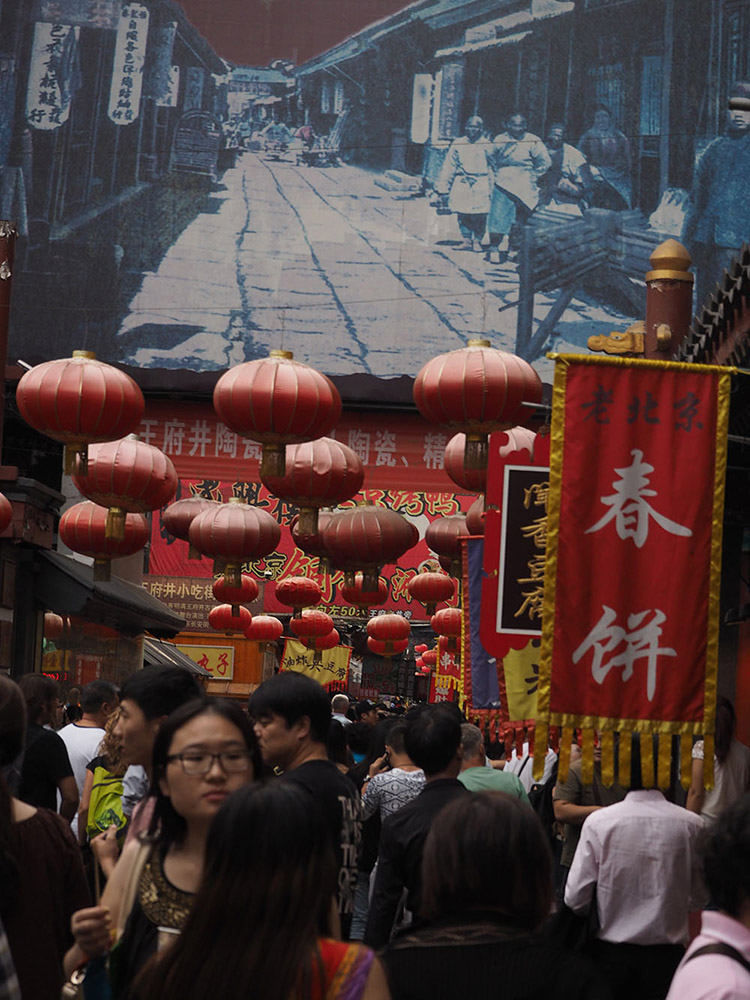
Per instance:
(714,977)
(640,854)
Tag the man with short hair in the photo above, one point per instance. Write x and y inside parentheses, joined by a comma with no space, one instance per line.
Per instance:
(639,859)
(367,711)
(292,716)
(340,706)
(475,774)
(433,742)
(46,769)
(82,738)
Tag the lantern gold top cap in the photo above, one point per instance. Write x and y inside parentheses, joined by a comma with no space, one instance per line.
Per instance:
(281,354)
(236,500)
(670,260)
(479,342)
(91,355)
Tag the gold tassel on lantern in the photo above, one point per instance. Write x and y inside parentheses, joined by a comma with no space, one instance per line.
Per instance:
(115,527)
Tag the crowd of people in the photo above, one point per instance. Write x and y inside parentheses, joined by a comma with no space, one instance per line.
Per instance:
(304,847)
(494,185)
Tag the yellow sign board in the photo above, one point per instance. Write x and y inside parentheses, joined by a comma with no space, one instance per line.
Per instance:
(217,660)
(333,665)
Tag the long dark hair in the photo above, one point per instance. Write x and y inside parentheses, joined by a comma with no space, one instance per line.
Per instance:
(265,899)
(724,728)
(12,733)
(167,826)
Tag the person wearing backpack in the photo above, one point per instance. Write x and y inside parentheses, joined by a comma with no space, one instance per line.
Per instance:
(716,966)
(101,798)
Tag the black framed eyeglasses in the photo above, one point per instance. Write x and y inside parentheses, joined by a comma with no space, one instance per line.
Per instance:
(196,763)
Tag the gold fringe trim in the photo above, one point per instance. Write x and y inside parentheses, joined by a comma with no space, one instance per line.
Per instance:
(608,759)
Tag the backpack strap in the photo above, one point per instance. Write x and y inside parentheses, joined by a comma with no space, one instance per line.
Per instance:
(721,949)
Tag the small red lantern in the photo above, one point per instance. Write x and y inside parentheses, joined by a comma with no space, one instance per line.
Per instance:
(127,475)
(320,473)
(311,623)
(83,528)
(366,537)
(245,593)
(387,648)
(264,629)
(277,401)
(223,619)
(388,627)
(56,626)
(475,480)
(234,533)
(430,658)
(318,643)
(444,536)
(178,517)
(298,592)
(79,401)
(357,595)
(421,648)
(475,517)
(6,512)
(447,624)
(477,389)
(430,589)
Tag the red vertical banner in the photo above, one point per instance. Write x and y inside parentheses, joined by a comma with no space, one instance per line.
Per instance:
(633,559)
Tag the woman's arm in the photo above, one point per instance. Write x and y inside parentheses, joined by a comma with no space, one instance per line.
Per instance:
(697,793)
(376,987)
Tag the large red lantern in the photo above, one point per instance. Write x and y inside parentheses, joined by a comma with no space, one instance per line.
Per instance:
(443,536)
(447,624)
(356,594)
(83,528)
(245,593)
(264,629)
(365,538)
(6,512)
(79,401)
(223,619)
(178,517)
(234,533)
(430,589)
(277,401)
(388,648)
(311,623)
(391,630)
(475,517)
(127,476)
(321,473)
(477,389)
(298,592)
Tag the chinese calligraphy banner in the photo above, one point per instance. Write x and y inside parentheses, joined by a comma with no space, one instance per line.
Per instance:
(331,668)
(633,559)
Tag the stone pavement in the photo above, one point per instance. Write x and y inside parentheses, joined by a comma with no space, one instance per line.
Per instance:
(323,262)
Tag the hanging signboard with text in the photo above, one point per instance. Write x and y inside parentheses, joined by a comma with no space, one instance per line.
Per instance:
(630,627)
(127,69)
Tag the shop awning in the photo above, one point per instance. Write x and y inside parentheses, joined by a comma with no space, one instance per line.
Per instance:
(486,43)
(165,654)
(67,587)
(265,101)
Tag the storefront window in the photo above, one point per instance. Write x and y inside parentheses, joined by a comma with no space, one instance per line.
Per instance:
(76,652)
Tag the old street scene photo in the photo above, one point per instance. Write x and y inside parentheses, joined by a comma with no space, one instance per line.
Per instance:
(364,184)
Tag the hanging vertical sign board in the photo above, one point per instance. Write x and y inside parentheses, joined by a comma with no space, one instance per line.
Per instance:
(53,69)
(127,68)
(84,13)
(633,559)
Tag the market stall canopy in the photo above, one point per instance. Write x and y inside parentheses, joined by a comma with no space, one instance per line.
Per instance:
(165,654)
(67,587)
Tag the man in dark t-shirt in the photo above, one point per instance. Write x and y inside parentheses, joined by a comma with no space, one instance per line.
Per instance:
(292,715)
(46,766)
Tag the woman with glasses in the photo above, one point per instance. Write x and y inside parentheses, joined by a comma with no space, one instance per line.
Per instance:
(203,752)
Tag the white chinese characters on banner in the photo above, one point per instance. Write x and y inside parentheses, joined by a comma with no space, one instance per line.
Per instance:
(169,100)
(629,508)
(52,75)
(640,640)
(127,69)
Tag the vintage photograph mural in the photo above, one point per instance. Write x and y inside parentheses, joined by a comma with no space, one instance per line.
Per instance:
(363,182)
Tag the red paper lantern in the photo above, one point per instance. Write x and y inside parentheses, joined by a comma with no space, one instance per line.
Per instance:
(178,517)
(6,512)
(277,401)
(388,627)
(443,536)
(245,593)
(421,648)
(366,537)
(312,543)
(311,623)
(127,475)
(56,626)
(223,619)
(430,589)
(475,517)
(447,622)
(430,658)
(83,528)
(476,389)
(356,594)
(234,533)
(321,473)
(298,592)
(387,648)
(320,642)
(79,401)
(264,629)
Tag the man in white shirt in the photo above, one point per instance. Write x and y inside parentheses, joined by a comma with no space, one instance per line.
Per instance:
(638,859)
(82,738)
